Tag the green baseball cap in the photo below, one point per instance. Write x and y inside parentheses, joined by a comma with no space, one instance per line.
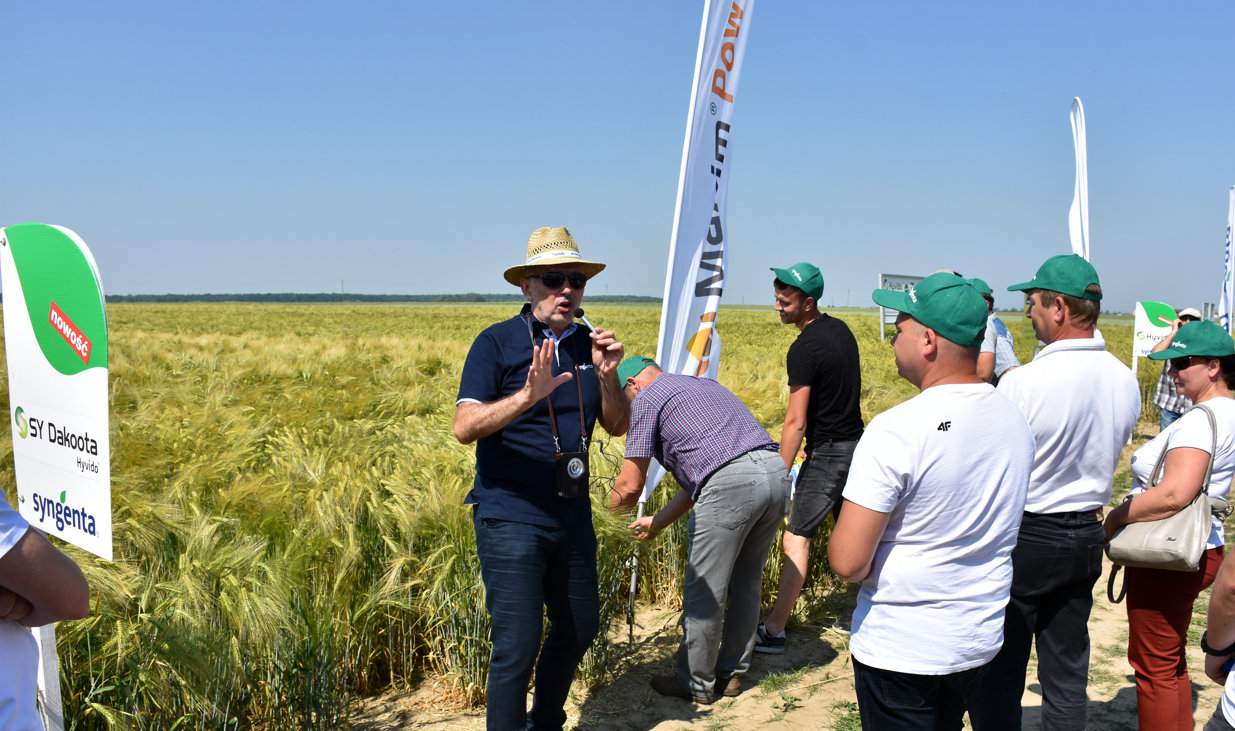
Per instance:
(981,285)
(1203,338)
(803,275)
(945,303)
(632,366)
(1066,274)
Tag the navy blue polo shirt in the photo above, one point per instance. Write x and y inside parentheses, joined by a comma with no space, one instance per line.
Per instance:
(514,466)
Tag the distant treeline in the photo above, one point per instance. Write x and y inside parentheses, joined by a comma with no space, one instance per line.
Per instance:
(340,297)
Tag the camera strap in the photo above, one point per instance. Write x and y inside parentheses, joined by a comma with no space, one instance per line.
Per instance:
(557,445)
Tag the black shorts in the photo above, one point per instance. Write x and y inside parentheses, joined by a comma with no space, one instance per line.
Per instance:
(820,483)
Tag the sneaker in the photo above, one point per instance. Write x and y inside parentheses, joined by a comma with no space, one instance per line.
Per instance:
(669,685)
(767,643)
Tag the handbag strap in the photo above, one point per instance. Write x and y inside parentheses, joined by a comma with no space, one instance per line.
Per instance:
(1110,585)
(1156,475)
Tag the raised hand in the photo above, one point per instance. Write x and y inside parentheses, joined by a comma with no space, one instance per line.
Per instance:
(540,379)
(607,352)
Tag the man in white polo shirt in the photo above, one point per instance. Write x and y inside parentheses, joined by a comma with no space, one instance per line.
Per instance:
(1081,403)
(935,494)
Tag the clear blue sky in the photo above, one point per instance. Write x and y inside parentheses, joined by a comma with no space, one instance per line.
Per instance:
(411,147)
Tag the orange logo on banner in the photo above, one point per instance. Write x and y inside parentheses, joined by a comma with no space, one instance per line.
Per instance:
(700,344)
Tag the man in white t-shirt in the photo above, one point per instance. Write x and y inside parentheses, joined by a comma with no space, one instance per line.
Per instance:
(38,586)
(1081,404)
(932,504)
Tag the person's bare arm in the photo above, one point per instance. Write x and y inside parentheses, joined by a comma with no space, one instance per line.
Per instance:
(986,366)
(1220,631)
(647,527)
(1165,342)
(475,421)
(46,578)
(629,483)
(1181,482)
(793,431)
(851,549)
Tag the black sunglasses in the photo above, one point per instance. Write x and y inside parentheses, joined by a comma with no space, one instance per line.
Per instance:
(555,280)
(1180,363)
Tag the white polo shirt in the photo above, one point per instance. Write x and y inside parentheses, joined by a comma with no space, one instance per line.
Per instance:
(19,659)
(950,468)
(1081,403)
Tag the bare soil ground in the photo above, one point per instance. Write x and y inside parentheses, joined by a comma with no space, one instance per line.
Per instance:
(809,687)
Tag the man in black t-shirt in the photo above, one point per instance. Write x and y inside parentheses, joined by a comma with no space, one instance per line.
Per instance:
(825,384)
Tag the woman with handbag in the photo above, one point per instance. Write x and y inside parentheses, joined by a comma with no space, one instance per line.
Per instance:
(1191,457)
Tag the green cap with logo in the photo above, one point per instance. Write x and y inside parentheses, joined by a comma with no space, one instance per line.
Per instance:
(631,367)
(982,287)
(803,275)
(1066,274)
(1203,338)
(945,303)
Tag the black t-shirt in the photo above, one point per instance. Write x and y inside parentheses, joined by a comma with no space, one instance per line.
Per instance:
(825,357)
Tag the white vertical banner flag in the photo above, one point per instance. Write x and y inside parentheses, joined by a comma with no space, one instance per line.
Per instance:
(1078,214)
(688,341)
(1226,300)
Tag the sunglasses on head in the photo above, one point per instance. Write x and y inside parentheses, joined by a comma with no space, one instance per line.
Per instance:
(555,280)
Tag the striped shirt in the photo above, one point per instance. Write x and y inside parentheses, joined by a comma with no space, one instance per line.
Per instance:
(692,426)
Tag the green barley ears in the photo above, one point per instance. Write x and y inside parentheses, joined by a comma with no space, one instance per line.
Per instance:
(290,528)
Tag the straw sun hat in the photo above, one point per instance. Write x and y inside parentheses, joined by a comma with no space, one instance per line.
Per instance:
(549,245)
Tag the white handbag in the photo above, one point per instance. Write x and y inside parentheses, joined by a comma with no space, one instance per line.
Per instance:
(1174,543)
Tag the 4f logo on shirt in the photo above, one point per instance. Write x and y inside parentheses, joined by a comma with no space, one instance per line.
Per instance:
(944,426)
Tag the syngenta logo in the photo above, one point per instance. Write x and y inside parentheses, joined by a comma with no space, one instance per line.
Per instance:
(72,334)
(23,425)
(57,435)
(64,515)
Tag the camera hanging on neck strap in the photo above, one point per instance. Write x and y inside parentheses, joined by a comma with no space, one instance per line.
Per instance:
(570,469)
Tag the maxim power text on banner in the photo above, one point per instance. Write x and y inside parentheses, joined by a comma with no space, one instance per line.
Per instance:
(695,280)
(55,338)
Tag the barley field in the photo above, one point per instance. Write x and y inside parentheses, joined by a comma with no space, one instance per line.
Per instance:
(288,501)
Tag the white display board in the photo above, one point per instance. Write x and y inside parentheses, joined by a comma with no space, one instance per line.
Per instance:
(898,282)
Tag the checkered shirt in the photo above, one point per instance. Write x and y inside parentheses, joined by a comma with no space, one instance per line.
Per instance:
(692,426)
(1168,398)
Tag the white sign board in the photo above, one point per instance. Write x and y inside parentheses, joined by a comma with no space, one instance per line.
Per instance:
(55,339)
(900,282)
(1152,323)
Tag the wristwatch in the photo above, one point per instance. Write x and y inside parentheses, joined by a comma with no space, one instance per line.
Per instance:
(1223,652)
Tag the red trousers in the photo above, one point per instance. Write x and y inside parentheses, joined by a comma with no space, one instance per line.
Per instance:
(1159,612)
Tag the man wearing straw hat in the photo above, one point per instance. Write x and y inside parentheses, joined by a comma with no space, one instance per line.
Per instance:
(931,509)
(532,390)
(1081,403)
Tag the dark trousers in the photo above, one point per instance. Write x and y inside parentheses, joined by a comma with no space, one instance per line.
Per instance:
(529,570)
(1057,560)
(907,702)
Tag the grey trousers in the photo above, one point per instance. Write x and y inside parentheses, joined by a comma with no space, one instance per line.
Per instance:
(730,531)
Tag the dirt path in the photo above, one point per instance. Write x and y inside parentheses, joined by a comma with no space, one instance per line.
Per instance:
(809,687)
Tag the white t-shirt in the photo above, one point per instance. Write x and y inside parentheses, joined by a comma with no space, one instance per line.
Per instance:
(1081,403)
(1192,430)
(950,467)
(19,658)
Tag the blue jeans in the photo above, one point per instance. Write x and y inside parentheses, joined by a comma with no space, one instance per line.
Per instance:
(1167,417)
(528,570)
